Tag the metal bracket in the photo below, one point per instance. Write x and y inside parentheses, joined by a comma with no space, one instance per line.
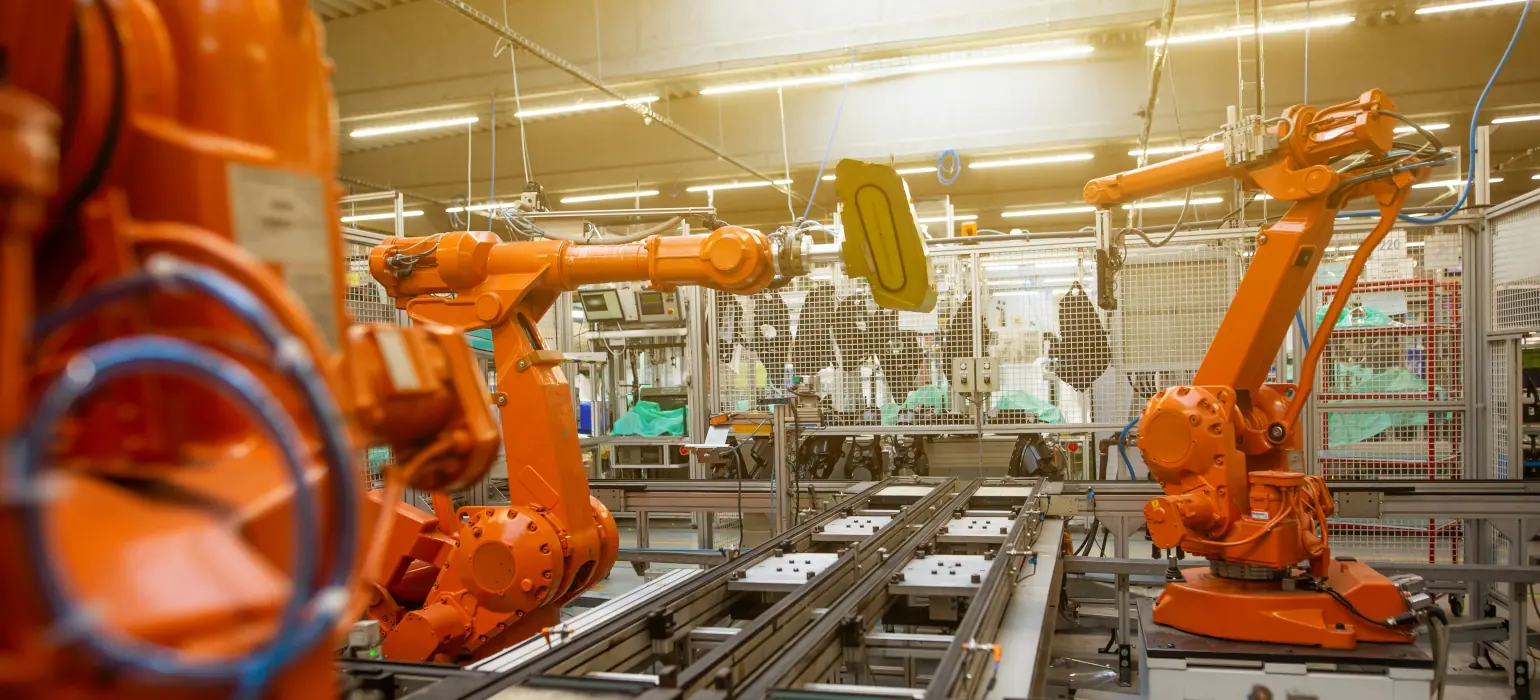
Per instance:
(1360,504)
(1125,665)
(1064,505)
(1521,679)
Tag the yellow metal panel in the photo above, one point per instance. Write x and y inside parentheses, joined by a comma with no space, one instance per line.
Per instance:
(882,242)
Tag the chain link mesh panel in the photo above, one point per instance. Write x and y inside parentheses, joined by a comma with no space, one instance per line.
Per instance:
(1516,268)
(1501,373)
(1062,359)
(872,366)
(1398,345)
(367,303)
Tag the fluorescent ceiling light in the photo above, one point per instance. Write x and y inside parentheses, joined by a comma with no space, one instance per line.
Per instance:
(610,195)
(1273,28)
(1032,160)
(1001,59)
(1534,177)
(735,185)
(1016,293)
(414,126)
(1167,203)
(920,64)
(1434,9)
(939,219)
(1189,148)
(1002,266)
(380,216)
(479,207)
(1447,183)
(1426,127)
(1005,283)
(789,82)
(583,107)
(1416,244)
(1048,212)
(900,171)
(1519,118)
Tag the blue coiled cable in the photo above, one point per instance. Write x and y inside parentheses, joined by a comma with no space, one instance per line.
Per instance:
(174,356)
(948,167)
(1123,449)
(1475,119)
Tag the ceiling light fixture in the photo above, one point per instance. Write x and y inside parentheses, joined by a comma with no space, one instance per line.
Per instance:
(834,78)
(735,185)
(1517,119)
(1001,59)
(380,216)
(1189,148)
(479,207)
(1274,28)
(1425,127)
(1167,203)
(1048,212)
(1434,9)
(1535,177)
(1032,160)
(889,68)
(583,107)
(1447,183)
(941,219)
(414,126)
(575,199)
(900,171)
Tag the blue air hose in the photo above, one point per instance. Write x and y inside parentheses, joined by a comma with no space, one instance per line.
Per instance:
(1475,119)
(948,167)
(291,359)
(1123,449)
(162,355)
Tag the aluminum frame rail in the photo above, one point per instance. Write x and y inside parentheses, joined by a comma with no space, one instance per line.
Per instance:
(1473,499)
(842,635)
(657,633)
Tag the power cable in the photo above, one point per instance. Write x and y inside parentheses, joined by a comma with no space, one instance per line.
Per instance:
(518,106)
(829,146)
(1475,119)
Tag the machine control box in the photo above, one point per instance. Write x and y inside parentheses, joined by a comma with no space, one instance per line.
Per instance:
(653,306)
(974,378)
(601,305)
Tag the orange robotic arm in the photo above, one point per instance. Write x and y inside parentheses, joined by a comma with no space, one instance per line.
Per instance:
(521,563)
(1219,446)
(180,398)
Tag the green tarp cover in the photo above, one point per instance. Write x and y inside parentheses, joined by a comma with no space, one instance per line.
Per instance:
(648,419)
(1346,428)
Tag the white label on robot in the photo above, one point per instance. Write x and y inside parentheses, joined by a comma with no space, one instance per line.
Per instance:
(398,362)
(281,217)
(1259,515)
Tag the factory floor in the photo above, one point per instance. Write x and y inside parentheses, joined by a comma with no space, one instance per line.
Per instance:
(1464,683)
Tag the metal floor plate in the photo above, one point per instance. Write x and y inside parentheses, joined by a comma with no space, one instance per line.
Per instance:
(943,574)
(783,572)
(975,529)
(852,528)
(1160,641)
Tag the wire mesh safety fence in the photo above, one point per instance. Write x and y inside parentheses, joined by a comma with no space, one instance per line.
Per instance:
(1515,236)
(1391,389)
(1062,360)
(367,302)
(1501,371)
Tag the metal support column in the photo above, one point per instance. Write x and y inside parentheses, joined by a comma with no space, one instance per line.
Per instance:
(696,416)
(1125,648)
(780,480)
